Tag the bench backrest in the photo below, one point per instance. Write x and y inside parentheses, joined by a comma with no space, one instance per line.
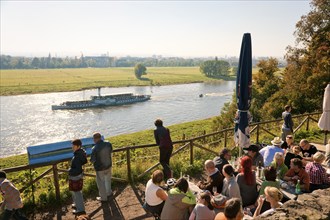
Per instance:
(56,151)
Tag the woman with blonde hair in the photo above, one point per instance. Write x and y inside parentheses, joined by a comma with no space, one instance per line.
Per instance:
(319,178)
(273,196)
(278,164)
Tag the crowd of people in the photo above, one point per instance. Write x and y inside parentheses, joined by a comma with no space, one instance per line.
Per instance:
(227,192)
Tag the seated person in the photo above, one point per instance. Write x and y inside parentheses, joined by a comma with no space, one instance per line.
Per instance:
(273,196)
(327,153)
(246,181)
(257,159)
(214,178)
(270,176)
(203,209)
(296,173)
(155,195)
(288,143)
(278,164)
(233,210)
(179,202)
(295,153)
(307,150)
(269,151)
(230,187)
(319,179)
(222,159)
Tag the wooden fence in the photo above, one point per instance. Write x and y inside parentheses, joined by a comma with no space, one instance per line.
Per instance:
(203,142)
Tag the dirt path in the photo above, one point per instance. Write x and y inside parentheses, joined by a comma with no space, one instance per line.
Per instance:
(126,204)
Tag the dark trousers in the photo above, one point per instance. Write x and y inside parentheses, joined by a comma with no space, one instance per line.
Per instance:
(164,159)
(15,214)
(154,210)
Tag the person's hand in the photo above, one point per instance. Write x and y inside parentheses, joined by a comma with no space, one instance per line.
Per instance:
(295,177)
(261,200)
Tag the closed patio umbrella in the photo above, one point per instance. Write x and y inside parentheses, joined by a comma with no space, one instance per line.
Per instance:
(243,93)
(324,122)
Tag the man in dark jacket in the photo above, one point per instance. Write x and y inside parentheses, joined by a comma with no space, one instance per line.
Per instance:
(222,159)
(214,178)
(287,127)
(76,173)
(163,140)
(102,160)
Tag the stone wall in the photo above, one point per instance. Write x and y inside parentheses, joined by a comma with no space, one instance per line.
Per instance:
(315,205)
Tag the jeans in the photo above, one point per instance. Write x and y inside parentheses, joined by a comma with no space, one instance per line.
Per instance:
(103,180)
(164,159)
(77,197)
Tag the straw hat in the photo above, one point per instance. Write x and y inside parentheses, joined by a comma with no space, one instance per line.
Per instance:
(277,141)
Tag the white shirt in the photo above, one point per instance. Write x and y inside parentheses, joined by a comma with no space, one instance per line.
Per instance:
(151,197)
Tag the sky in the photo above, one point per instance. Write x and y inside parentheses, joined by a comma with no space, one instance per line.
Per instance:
(146,28)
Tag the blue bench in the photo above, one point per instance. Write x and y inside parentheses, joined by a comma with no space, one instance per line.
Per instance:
(48,153)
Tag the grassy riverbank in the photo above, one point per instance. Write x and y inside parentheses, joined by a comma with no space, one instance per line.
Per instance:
(29,81)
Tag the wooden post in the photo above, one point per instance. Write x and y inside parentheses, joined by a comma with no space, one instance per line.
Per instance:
(191,153)
(56,183)
(307,123)
(225,139)
(183,136)
(257,141)
(128,158)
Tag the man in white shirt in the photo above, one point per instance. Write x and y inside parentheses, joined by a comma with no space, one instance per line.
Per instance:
(269,151)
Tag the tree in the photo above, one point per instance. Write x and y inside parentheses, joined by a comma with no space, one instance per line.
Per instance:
(308,70)
(140,70)
(215,68)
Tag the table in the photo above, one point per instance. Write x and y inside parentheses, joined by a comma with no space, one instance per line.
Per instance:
(287,193)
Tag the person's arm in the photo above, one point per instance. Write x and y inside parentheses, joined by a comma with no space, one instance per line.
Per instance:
(193,214)
(260,203)
(156,137)
(288,176)
(161,194)
(290,122)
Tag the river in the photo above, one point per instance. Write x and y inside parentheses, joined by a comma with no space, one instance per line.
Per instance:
(28,120)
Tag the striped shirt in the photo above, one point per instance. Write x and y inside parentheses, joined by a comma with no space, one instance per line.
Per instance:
(11,195)
(317,174)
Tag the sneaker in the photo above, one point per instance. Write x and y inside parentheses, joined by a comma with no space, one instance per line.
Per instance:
(100,199)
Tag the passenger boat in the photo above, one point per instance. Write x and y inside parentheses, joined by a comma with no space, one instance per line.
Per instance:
(102,101)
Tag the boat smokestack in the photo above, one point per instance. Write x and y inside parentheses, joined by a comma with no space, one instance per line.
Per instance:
(99,91)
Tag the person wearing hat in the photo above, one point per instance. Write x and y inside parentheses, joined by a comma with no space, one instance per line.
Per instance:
(257,158)
(222,159)
(268,152)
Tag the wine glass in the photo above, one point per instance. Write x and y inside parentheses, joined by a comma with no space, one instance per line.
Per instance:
(214,190)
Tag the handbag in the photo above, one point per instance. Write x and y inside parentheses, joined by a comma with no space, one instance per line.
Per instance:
(76,185)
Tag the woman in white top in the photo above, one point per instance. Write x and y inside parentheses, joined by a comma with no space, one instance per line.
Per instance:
(155,195)
(273,196)
(204,209)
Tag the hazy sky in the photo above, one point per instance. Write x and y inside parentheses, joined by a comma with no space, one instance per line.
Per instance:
(144,28)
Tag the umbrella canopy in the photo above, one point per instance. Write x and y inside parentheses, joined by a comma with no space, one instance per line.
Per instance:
(324,122)
(244,93)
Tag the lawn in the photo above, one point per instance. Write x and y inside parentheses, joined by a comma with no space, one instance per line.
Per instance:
(14,82)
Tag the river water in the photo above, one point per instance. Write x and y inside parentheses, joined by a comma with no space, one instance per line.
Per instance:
(28,120)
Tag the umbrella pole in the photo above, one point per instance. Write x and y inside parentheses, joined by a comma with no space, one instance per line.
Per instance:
(325,137)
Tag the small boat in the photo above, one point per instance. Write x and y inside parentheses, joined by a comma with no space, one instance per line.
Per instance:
(201,95)
(103,101)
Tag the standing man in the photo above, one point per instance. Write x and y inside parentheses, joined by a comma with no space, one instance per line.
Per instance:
(102,161)
(287,127)
(163,140)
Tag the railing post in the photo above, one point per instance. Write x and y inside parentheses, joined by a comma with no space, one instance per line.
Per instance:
(128,159)
(56,183)
(307,123)
(225,139)
(183,136)
(191,153)
(257,141)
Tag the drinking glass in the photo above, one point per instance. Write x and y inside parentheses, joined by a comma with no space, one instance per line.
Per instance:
(214,190)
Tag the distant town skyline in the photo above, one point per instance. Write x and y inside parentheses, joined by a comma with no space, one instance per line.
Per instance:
(147,28)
